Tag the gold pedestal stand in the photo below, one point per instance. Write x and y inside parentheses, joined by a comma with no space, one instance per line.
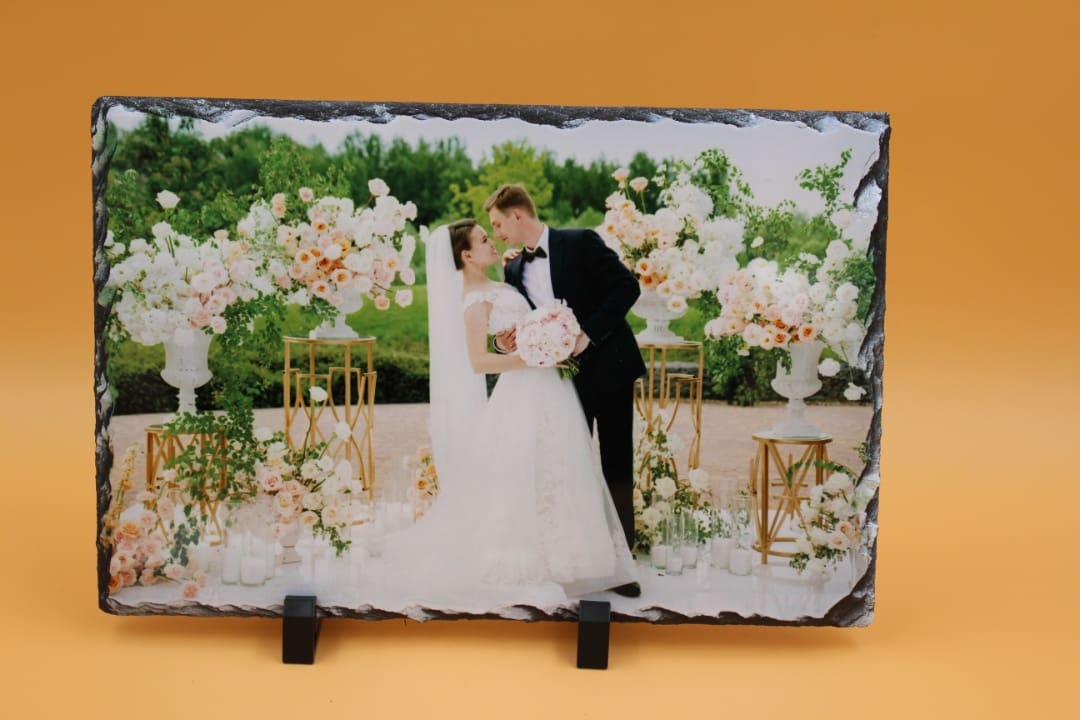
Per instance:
(302,414)
(161,448)
(787,495)
(661,388)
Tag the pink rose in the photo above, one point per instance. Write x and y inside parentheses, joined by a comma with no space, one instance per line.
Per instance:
(191,590)
(174,571)
(148,577)
(306,194)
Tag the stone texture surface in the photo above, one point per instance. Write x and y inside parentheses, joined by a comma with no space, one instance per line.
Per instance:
(854,609)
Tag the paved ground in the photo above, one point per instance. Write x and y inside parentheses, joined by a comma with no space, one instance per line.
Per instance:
(726,443)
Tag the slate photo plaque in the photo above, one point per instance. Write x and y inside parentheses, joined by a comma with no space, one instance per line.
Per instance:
(303,383)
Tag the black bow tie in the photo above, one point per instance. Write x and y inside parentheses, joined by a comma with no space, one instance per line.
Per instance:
(530,255)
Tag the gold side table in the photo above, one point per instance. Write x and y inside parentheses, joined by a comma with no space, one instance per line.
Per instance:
(662,388)
(160,449)
(788,496)
(302,414)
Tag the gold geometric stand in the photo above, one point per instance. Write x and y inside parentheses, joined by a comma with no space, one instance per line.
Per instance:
(787,496)
(661,388)
(303,414)
(160,449)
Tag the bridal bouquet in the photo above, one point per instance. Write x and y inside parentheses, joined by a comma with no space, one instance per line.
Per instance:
(546,338)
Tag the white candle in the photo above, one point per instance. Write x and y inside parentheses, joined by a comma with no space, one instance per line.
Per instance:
(689,555)
(701,574)
(270,559)
(252,570)
(660,555)
(307,565)
(322,570)
(721,552)
(230,566)
(674,563)
(739,563)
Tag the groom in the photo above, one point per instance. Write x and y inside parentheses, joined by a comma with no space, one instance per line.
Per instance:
(576,266)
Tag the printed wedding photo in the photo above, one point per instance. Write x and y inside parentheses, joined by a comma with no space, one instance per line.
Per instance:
(452,361)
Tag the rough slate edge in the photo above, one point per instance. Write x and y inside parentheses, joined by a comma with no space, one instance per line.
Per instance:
(855,609)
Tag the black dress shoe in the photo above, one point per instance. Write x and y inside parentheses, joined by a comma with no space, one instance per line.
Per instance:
(628,590)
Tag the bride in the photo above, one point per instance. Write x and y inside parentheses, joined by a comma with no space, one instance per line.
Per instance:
(523,515)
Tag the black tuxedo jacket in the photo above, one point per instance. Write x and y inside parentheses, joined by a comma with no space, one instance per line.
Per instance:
(588,275)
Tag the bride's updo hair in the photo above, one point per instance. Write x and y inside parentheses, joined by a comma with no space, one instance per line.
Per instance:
(459,239)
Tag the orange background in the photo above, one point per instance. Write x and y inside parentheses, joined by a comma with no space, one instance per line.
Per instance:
(977,583)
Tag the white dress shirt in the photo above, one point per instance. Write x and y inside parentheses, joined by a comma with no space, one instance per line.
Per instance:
(536,276)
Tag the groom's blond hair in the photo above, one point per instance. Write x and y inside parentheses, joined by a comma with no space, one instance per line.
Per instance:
(510,196)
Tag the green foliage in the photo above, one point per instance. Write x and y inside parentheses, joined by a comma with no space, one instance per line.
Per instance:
(511,162)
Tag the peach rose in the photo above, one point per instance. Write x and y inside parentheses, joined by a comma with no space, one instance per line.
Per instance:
(191,590)
(382,303)
(306,194)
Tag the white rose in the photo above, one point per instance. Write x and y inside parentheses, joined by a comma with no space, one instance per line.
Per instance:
(378,187)
(815,566)
(838,482)
(757,242)
(620,175)
(317,394)
(342,431)
(853,392)
(666,487)
(847,292)
(828,368)
(167,199)
(403,298)
(842,218)
(651,517)
(699,479)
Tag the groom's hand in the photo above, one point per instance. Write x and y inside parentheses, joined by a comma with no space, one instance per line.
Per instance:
(506,341)
(510,255)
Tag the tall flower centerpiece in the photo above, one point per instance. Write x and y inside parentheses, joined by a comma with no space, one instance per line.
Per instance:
(177,291)
(800,309)
(676,252)
(329,254)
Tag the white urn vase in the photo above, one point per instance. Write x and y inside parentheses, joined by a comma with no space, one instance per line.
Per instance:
(351,301)
(657,315)
(796,385)
(187,366)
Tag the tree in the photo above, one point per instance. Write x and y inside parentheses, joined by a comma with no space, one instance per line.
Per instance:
(510,162)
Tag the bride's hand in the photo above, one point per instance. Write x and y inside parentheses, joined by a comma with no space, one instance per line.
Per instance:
(507,341)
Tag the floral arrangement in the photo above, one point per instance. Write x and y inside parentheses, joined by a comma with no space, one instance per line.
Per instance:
(425,481)
(172,285)
(304,488)
(142,553)
(832,521)
(768,308)
(546,338)
(686,245)
(658,490)
(326,249)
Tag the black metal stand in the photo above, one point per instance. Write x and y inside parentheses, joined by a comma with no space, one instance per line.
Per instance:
(299,630)
(594,634)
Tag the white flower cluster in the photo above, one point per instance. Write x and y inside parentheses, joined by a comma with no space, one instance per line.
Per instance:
(833,520)
(316,495)
(678,251)
(339,252)
(171,285)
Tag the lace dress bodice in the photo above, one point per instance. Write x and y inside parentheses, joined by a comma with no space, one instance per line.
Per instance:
(508,306)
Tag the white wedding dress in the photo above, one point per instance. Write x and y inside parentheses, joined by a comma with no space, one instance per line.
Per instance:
(523,516)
